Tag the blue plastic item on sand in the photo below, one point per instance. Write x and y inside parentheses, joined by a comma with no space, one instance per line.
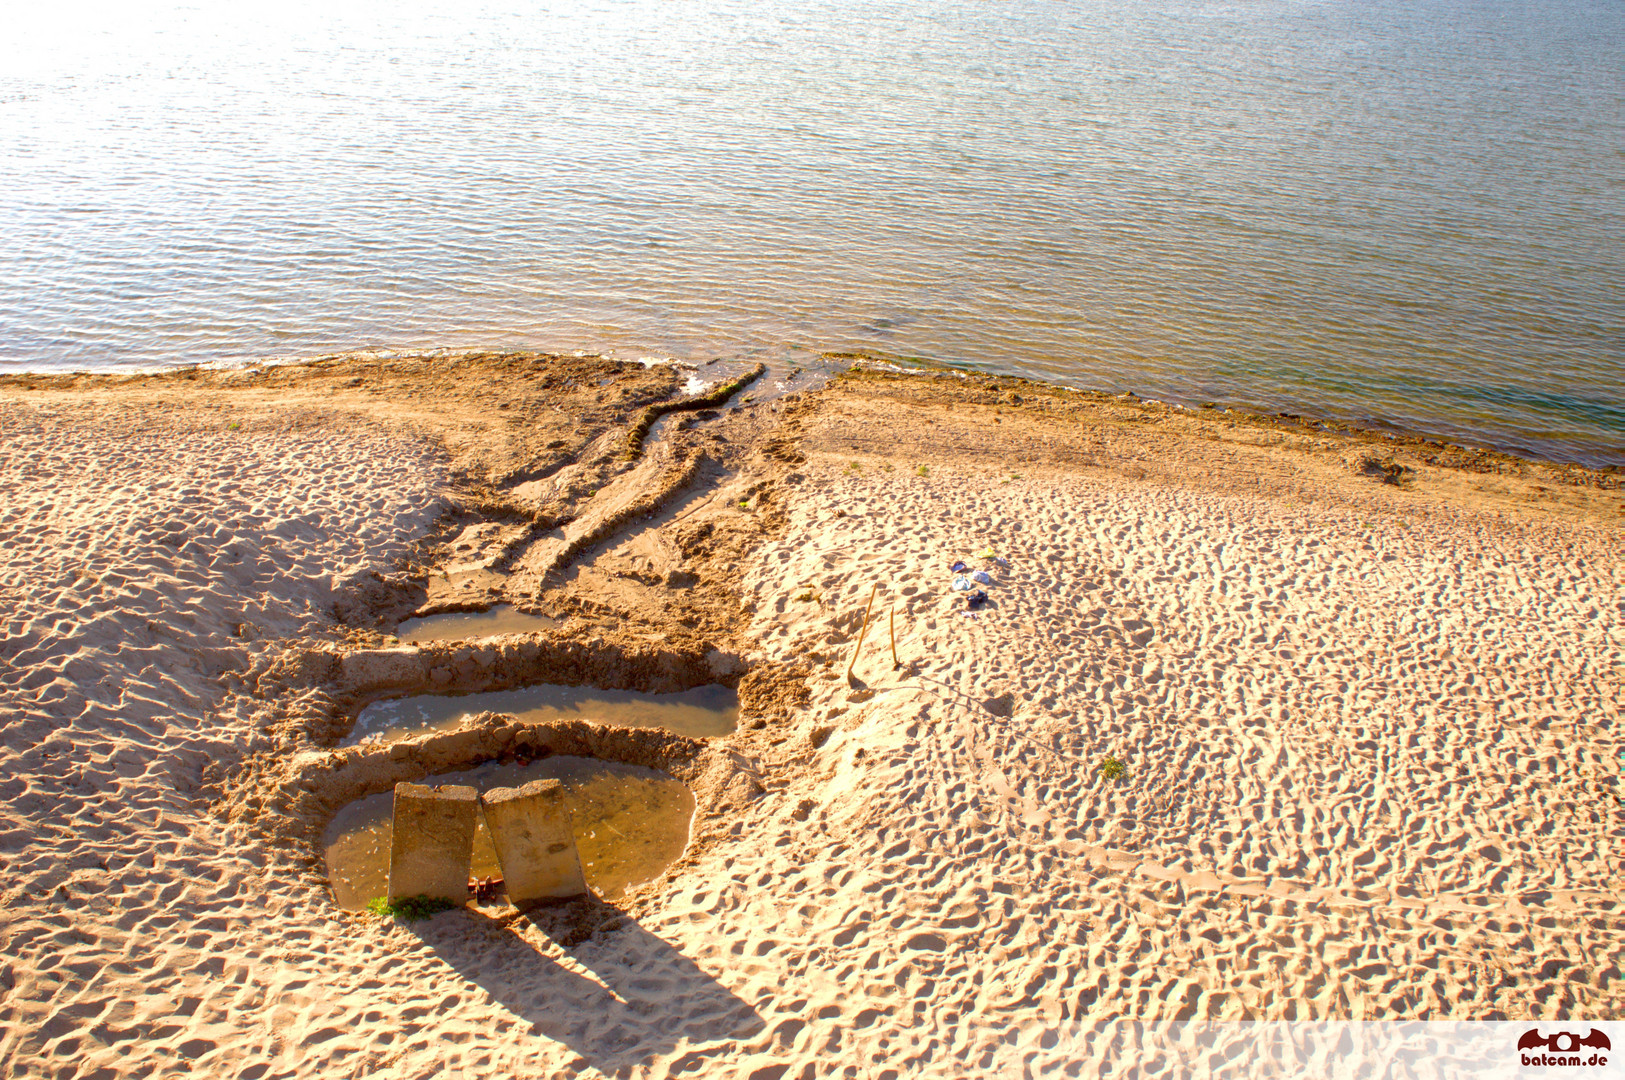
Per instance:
(981,576)
(958,568)
(976,599)
(961,584)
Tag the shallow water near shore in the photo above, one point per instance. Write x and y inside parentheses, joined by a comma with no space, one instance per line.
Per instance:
(1394,214)
(630,824)
(702,712)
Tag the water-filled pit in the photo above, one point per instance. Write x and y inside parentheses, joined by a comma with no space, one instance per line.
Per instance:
(630,824)
(463,625)
(703,712)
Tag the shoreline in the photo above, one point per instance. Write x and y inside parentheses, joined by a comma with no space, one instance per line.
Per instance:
(1328,662)
(1420,438)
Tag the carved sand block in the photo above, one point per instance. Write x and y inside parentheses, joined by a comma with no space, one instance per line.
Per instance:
(433,841)
(536,845)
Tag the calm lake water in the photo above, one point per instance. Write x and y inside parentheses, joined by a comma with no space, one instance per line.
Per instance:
(1398,213)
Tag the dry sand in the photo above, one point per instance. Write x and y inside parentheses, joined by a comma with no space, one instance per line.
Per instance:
(1370,731)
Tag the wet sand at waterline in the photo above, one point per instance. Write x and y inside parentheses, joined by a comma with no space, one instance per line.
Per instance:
(1365,693)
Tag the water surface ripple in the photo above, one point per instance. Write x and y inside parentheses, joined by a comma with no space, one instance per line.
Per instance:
(1401,214)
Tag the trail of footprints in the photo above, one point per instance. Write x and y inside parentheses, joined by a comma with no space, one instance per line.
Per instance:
(144,557)
(1361,734)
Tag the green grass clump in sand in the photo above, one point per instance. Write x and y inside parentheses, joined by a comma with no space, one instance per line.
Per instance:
(409,908)
(1111,768)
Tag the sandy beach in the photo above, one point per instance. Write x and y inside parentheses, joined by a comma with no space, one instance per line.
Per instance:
(1364,692)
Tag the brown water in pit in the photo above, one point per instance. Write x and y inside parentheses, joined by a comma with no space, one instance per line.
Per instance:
(630,824)
(703,712)
(462,625)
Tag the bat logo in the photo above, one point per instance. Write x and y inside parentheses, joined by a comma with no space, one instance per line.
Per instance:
(1562,1041)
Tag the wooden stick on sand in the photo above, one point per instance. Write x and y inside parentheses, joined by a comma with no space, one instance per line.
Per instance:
(862,632)
(895,663)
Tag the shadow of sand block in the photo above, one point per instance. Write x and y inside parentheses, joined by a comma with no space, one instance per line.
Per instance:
(433,841)
(535,842)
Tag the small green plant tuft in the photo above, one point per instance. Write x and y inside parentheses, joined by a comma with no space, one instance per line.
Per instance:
(409,908)
(924,470)
(234,426)
(1111,768)
(854,466)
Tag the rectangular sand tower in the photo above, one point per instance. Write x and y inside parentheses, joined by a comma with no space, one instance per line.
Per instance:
(536,845)
(433,841)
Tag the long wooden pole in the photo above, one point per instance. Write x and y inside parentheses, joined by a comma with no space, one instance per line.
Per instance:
(862,632)
(895,663)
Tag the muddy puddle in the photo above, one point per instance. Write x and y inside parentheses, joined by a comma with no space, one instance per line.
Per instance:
(630,824)
(464,625)
(703,712)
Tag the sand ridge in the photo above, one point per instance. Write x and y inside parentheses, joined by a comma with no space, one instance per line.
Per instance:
(1370,737)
